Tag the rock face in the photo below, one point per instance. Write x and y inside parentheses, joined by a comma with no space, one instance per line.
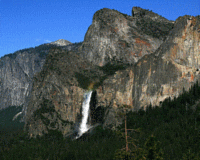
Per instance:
(113,60)
(17,71)
(173,66)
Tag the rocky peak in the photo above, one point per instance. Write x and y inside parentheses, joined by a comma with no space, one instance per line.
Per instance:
(112,34)
(138,12)
(61,42)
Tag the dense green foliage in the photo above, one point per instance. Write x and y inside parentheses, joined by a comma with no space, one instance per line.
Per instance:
(170,131)
(99,145)
(113,65)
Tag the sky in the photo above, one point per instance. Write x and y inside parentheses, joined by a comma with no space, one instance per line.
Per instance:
(29,23)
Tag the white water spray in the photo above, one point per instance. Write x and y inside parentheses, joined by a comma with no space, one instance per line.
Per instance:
(84,127)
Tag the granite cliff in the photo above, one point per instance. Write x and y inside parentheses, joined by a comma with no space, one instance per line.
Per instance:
(16,73)
(116,35)
(173,66)
(127,60)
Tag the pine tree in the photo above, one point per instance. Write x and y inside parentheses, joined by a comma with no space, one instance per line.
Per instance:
(130,151)
(153,152)
(190,156)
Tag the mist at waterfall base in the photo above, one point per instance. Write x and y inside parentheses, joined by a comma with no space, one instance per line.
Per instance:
(84,126)
(89,118)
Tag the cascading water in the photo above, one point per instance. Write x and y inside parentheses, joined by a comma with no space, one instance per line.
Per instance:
(84,127)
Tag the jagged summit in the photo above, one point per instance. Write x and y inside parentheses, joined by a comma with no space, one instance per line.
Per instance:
(61,42)
(144,13)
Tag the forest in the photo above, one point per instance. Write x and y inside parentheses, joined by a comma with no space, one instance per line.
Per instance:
(168,131)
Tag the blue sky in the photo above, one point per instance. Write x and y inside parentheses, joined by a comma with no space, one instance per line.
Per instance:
(29,23)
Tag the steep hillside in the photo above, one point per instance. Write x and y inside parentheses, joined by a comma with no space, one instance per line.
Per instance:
(17,71)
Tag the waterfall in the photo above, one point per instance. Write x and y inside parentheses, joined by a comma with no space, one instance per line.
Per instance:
(84,127)
(16,116)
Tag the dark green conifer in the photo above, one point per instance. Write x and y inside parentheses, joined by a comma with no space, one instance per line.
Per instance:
(153,151)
